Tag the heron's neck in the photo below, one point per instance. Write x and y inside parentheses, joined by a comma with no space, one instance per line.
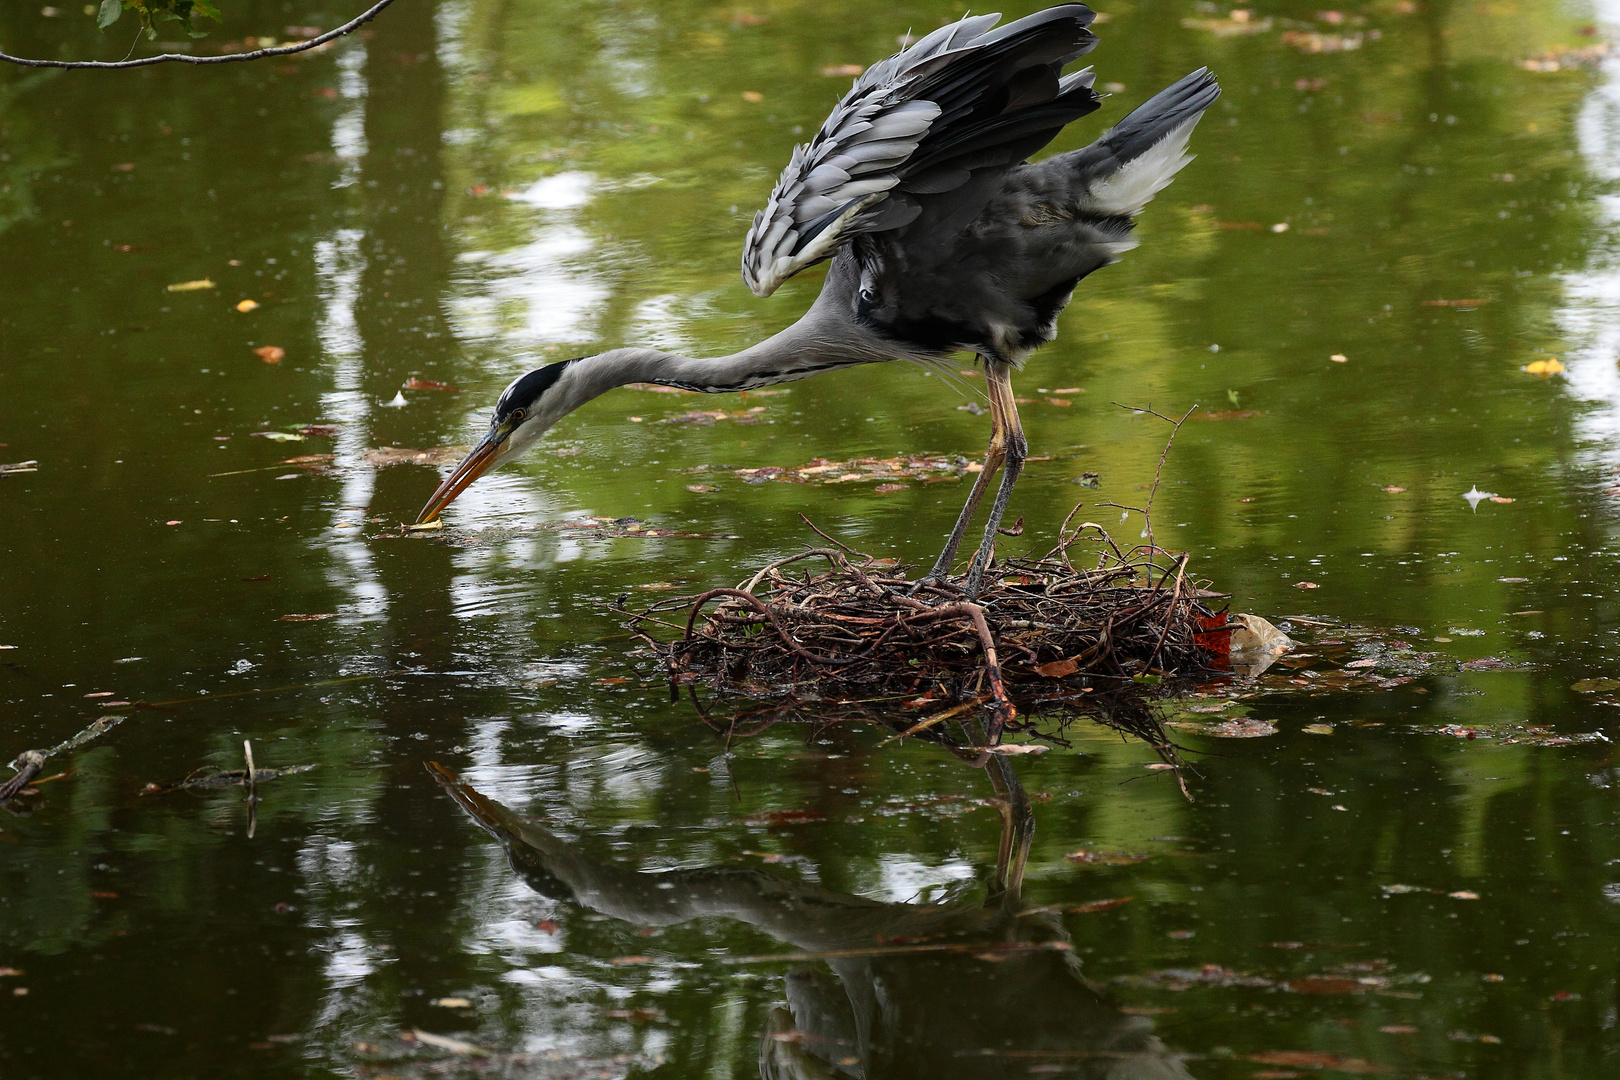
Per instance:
(796,353)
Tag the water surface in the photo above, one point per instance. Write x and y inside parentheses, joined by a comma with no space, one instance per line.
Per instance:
(473,188)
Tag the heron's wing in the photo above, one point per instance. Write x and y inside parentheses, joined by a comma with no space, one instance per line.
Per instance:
(965,103)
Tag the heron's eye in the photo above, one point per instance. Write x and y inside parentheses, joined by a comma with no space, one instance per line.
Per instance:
(519,414)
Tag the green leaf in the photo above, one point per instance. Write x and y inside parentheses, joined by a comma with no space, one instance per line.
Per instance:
(110,10)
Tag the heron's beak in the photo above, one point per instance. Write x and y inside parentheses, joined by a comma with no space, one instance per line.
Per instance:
(474,465)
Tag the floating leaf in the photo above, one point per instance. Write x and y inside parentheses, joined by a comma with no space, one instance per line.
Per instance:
(1315,1059)
(413,383)
(192,286)
(245,306)
(270,354)
(1317,729)
(1092,906)
(1595,686)
(277,436)
(1057,669)
(1545,368)
(1087,857)
(308,618)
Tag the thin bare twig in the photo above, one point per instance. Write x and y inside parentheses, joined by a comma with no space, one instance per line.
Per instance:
(228,58)
(1158,474)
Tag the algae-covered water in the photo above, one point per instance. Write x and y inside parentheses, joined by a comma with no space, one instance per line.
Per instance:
(1396,209)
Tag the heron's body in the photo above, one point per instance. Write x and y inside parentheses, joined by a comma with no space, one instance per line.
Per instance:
(942,237)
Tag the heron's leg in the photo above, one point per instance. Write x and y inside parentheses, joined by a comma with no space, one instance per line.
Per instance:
(1016,450)
(1017,830)
(992,461)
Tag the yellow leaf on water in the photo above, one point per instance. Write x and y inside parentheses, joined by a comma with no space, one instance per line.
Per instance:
(192,286)
(1545,368)
(245,306)
(753,96)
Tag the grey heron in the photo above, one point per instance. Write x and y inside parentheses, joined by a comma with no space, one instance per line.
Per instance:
(943,237)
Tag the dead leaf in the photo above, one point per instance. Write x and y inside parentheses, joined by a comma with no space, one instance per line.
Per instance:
(1057,669)
(1455,303)
(701,489)
(1315,1059)
(245,306)
(1087,857)
(277,436)
(452,1003)
(1064,402)
(634,1016)
(441,1042)
(1229,414)
(1306,585)
(884,489)
(842,71)
(399,455)
(1325,984)
(308,618)
(547,926)
(1339,358)
(778,818)
(1317,729)
(1499,498)
(270,354)
(616,680)
(753,96)
(1092,906)
(710,416)
(413,383)
(192,286)
(1545,368)
(1463,894)
(1595,686)
(1394,490)
(1243,727)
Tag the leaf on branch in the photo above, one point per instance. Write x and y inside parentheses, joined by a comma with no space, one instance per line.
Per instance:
(110,10)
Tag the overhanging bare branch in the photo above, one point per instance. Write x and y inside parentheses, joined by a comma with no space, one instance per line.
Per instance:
(229,58)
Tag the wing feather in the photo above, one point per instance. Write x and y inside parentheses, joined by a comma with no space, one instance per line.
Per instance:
(915,128)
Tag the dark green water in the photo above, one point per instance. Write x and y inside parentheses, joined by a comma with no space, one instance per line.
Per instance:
(477,187)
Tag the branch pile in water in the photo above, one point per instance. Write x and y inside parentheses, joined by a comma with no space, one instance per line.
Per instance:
(1041,630)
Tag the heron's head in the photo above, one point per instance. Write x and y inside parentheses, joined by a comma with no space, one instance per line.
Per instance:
(527,407)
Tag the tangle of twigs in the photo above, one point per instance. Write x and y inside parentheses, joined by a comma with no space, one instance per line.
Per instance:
(1041,634)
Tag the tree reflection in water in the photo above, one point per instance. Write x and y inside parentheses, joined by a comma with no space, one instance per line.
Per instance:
(877,990)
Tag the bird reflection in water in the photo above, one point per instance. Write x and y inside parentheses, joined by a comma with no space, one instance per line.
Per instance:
(879,990)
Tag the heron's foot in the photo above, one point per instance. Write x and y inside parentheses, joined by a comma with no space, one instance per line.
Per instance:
(975,578)
(939,579)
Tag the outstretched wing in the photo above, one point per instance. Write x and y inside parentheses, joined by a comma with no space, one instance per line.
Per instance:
(916,128)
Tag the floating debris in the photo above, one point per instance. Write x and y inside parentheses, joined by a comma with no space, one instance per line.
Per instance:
(203,780)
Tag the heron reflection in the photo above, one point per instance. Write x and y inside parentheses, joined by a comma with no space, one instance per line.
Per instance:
(881,990)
